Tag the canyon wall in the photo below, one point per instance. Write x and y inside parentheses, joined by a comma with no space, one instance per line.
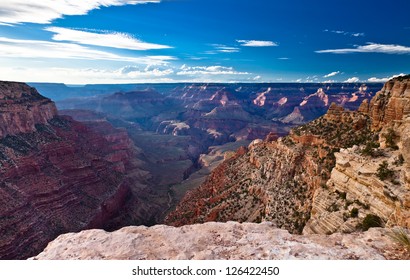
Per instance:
(322,178)
(372,179)
(21,108)
(56,174)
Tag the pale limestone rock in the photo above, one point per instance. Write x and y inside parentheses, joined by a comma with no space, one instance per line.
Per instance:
(355,175)
(216,241)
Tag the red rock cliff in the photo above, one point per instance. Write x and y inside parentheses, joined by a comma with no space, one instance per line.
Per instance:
(21,108)
(56,174)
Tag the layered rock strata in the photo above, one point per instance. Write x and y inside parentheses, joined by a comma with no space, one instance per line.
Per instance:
(22,108)
(326,176)
(357,186)
(56,174)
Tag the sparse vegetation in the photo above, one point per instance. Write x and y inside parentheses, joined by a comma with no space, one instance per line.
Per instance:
(390,137)
(401,237)
(370,221)
(399,161)
(371,149)
(383,172)
(342,195)
(354,213)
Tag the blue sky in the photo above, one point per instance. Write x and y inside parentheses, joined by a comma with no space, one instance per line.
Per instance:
(132,41)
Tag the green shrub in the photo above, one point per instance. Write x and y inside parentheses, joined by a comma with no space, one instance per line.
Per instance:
(354,212)
(399,161)
(390,137)
(369,149)
(383,172)
(370,221)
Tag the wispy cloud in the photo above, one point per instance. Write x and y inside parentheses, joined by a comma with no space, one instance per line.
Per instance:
(45,49)
(67,75)
(256,43)
(149,71)
(209,70)
(383,80)
(113,40)
(331,74)
(371,48)
(353,34)
(219,48)
(45,11)
(352,80)
(283,58)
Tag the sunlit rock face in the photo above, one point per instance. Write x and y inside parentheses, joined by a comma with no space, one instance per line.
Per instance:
(22,108)
(218,241)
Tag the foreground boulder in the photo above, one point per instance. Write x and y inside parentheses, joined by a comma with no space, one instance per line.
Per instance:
(213,241)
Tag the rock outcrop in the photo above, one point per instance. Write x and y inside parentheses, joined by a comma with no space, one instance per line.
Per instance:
(371,179)
(22,108)
(218,241)
(391,104)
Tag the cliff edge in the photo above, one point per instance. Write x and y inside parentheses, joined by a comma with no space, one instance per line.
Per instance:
(216,241)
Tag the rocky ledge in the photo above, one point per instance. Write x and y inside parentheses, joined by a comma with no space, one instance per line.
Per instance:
(212,241)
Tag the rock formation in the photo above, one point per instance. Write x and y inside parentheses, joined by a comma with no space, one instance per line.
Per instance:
(274,180)
(327,176)
(359,184)
(21,108)
(57,175)
(218,241)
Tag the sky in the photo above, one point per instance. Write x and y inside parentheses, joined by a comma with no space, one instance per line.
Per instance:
(144,41)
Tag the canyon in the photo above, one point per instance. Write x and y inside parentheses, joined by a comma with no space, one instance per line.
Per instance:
(177,125)
(339,173)
(60,175)
(294,157)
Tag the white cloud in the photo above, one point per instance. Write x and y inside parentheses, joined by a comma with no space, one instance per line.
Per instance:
(149,71)
(352,80)
(371,48)
(208,70)
(383,80)
(86,75)
(256,78)
(125,74)
(113,40)
(283,58)
(45,11)
(44,49)
(358,34)
(329,81)
(331,74)
(255,43)
(224,49)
